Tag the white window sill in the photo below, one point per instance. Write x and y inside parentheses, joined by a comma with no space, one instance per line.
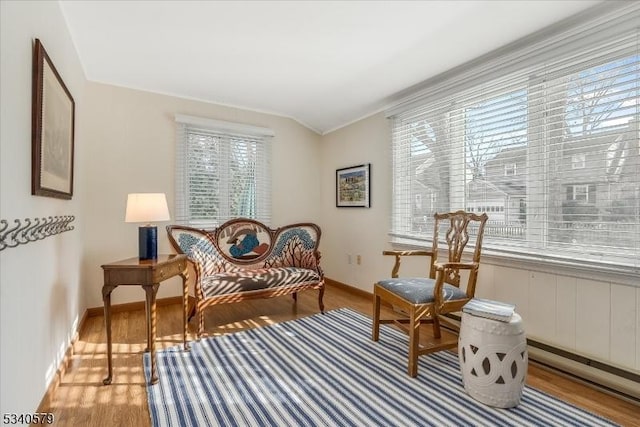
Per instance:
(594,270)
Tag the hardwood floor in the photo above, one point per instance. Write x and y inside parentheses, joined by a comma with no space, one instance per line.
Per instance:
(82,400)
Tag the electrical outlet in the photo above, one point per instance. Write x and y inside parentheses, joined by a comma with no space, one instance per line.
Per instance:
(359,259)
(348,258)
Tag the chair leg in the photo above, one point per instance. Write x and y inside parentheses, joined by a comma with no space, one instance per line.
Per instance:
(200,322)
(436,326)
(192,312)
(376,318)
(414,341)
(320,302)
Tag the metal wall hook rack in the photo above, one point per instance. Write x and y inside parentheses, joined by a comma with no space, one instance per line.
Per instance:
(32,230)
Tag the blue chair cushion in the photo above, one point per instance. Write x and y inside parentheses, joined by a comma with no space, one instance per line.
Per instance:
(418,290)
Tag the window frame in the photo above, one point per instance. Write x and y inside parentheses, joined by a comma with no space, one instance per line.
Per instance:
(227,134)
(511,169)
(575,188)
(599,23)
(578,161)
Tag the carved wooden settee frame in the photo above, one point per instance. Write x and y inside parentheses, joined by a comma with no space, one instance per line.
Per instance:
(244,259)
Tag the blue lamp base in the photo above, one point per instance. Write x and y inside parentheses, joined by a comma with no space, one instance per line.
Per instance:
(148,242)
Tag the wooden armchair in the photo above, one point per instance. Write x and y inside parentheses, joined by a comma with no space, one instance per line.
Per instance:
(425,299)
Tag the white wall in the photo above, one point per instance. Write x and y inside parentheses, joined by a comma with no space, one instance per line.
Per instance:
(595,315)
(39,282)
(131,144)
(124,143)
(356,231)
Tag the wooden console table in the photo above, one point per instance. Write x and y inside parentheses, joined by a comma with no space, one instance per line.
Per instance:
(148,274)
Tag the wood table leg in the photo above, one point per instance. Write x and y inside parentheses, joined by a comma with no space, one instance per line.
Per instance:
(185,307)
(148,274)
(147,313)
(151,291)
(106,298)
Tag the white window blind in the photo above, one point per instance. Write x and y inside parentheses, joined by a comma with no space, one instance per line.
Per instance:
(550,151)
(222,172)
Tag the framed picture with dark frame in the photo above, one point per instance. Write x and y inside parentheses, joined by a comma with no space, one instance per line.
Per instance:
(52,130)
(353,187)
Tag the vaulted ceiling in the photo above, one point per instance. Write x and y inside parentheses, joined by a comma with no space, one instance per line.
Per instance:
(323,63)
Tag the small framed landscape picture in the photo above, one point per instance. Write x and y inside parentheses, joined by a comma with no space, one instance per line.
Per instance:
(353,187)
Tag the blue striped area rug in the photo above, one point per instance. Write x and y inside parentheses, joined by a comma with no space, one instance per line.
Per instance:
(324,370)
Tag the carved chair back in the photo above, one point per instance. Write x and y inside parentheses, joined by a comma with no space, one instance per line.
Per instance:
(458,229)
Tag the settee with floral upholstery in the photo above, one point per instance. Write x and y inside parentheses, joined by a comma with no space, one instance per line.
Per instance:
(244,259)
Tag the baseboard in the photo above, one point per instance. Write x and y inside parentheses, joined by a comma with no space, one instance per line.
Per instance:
(62,368)
(94,312)
(622,384)
(609,379)
(348,288)
(615,381)
(138,305)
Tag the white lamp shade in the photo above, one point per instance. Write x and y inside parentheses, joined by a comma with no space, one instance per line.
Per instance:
(147,207)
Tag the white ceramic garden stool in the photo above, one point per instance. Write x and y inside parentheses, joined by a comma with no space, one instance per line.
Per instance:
(493,359)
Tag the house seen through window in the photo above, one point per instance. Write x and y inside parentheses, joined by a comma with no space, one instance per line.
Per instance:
(550,153)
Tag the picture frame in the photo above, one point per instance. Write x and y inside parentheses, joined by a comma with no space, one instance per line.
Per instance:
(52,130)
(353,186)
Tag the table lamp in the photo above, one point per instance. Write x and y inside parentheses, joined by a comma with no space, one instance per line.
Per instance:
(147,207)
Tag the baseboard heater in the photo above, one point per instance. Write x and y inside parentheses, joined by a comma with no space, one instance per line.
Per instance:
(601,376)
(606,378)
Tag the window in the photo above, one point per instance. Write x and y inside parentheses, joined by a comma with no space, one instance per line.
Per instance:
(580,193)
(510,169)
(222,172)
(514,144)
(418,201)
(578,161)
